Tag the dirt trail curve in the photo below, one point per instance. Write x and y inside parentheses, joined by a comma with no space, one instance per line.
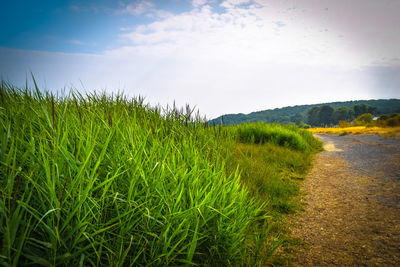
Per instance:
(352,212)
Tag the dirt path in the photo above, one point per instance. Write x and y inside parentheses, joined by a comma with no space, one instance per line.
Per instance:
(352,212)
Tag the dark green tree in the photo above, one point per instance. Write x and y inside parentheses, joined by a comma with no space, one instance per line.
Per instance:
(372,110)
(359,109)
(342,114)
(363,108)
(296,118)
(313,116)
(326,115)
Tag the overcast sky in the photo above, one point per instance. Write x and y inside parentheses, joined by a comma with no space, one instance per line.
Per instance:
(221,56)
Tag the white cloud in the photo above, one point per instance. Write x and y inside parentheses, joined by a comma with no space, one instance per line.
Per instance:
(240,34)
(233,3)
(141,8)
(198,3)
(137,8)
(238,60)
(280,24)
(77,42)
(125,29)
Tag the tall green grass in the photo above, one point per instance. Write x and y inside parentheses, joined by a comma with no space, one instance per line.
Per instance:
(289,136)
(105,180)
(273,160)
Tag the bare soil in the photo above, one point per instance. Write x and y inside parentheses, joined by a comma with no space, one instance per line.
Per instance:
(352,204)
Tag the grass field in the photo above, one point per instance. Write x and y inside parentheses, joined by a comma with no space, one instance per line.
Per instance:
(102,180)
(385,131)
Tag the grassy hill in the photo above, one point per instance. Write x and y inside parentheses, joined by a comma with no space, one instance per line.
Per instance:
(289,115)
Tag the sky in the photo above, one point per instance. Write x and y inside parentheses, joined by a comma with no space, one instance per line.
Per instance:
(227,56)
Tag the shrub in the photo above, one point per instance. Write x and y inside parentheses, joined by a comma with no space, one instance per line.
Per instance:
(364,119)
(394,121)
(283,135)
(344,124)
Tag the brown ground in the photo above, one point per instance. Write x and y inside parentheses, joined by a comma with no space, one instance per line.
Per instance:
(352,211)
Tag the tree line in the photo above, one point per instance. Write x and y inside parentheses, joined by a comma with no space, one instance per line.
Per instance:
(299,114)
(327,115)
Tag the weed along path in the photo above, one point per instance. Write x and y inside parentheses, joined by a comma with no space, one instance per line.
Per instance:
(352,211)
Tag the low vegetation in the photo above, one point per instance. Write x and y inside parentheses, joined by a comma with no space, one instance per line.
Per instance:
(387,131)
(391,120)
(106,180)
(385,125)
(283,135)
(271,170)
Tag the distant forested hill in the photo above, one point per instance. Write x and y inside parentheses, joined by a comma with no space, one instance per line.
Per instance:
(293,114)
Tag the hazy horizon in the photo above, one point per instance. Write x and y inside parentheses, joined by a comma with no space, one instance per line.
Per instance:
(233,56)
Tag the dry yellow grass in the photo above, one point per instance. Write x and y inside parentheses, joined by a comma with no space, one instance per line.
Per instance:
(389,131)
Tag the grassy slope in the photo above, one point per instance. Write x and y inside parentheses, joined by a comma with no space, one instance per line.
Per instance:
(110,181)
(273,173)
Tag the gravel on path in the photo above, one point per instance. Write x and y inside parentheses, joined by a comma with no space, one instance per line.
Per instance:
(352,204)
